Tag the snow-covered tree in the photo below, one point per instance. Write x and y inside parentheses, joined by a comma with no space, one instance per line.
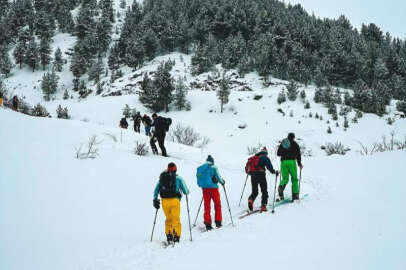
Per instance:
(32,55)
(223,92)
(44,52)
(58,60)
(49,84)
(180,94)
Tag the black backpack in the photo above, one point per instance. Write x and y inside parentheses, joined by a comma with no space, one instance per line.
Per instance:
(168,122)
(167,184)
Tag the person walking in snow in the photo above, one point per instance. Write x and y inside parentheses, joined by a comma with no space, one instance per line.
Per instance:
(15,103)
(160,126)
(170,187)
(146,121)
(208,178)
(123,123)
(137,122)
(1,99)
(258,178)
(289,151)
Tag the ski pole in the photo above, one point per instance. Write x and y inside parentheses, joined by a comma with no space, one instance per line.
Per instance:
(198,211)
(243,190)
(153,227)
(188,215)
(229,210)
(300,180)
(274,194)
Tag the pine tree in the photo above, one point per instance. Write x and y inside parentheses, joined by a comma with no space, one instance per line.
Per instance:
(180,94)
(5,62)
(345,122)
(302,94)
(127,111)
(96,70)
(223,92)
(66,94)
(281,97)
(347,99)
(62,113)
(99,88)
(58,60)
(32,55)
(163,83)
(329,131)
(201,61)
(318,95)
(148,93)
(307,105)
(401,106)
(19,53)
(123,4)
(49,84)
(44,52)
(150,44)
(292,90)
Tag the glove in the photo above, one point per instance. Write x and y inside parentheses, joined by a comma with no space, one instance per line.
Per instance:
(156,203)
(224,182)
(277,172)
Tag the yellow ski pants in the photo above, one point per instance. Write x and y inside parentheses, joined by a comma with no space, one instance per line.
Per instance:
(171,207)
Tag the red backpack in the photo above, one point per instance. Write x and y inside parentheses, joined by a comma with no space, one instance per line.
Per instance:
(252,164)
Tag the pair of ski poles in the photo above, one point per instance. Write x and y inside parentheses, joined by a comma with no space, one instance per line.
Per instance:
(228,204)
(188,215)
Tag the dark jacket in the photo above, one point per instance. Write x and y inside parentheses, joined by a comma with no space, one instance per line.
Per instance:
(264,162)
(123,123)
(159,125)
(292,153)
(146,120)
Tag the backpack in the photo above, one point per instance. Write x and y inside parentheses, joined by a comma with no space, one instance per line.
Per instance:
(168,122)
(252,164)
(167,183)
(285,143)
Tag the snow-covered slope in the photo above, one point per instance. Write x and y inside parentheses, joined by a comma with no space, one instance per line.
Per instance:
(58,212)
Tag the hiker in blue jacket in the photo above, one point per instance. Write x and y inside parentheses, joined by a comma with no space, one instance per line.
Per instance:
(207,178)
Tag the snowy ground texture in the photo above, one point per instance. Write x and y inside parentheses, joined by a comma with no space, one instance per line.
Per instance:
(58,212)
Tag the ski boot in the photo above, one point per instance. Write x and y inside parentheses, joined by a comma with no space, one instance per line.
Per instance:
(280,193)
(176,238)
(250,204)
(169,239)
(208,226)
(263,208)
(295,197)
(218,224)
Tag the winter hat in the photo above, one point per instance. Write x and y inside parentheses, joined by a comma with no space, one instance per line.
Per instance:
(210,159)
(264,149)
(154,115)
(172,167)
(291,136)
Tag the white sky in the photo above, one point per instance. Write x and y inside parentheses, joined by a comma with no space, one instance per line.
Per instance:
(388,15)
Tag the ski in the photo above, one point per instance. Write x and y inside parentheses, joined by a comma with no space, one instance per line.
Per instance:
(249,213)
(288,200)
(166,244)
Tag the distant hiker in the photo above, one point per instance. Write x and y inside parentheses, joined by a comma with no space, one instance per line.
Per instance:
(207,178)
(289,151)
(1,99)
(161,126)
(147,122)
(123,123)
(137,122)
(170,187)
(15,103)
(256,167)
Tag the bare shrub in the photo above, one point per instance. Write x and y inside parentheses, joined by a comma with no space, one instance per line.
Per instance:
(91,152)
(252,150)
(111,136)
(40,111)
(141,148)
(184,134)
(304,151)
(202,144)
(335,148)
(384,145)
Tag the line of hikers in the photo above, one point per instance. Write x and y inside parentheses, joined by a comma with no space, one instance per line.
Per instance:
(155,128)
(14,102)
(171,186)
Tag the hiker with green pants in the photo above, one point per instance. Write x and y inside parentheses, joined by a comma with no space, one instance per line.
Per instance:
(289,151)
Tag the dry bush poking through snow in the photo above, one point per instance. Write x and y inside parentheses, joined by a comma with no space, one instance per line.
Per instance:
(91,152)
(141,148)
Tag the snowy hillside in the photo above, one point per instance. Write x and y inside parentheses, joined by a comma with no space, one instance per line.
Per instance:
(64,213)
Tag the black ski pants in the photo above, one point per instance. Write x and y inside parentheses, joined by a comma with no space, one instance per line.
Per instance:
(259,179)
(161,142)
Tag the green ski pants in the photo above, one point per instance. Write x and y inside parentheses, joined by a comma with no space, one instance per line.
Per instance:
(288,167)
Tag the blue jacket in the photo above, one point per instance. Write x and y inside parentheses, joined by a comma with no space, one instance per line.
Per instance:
(265,162)
(180,186)
(205,174)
